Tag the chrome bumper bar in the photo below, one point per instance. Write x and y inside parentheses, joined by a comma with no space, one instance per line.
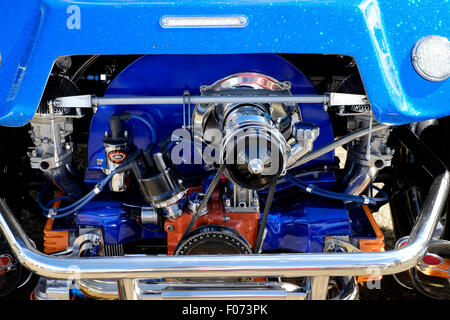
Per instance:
(269,265)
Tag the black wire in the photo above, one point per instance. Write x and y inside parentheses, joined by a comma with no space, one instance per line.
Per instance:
(259,239)
(204,202)
(82,69)
(413,274)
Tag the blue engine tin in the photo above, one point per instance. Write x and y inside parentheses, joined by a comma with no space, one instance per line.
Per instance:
(172,75)
(296,222)
(379,34)
(297,225)
(302,224)
(117,227)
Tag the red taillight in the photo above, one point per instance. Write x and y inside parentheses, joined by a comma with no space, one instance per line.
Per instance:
(5,260)
(432,260)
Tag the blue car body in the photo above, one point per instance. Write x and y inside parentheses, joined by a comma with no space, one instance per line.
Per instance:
(379,34)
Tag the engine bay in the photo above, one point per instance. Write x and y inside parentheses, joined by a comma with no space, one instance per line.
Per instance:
(153,200)
(184,159)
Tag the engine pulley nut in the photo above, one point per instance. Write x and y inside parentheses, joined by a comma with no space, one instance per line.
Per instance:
(256,166)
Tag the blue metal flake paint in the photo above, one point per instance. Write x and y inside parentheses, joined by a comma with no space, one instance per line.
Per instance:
(116,225)
(302,224)
(379,34)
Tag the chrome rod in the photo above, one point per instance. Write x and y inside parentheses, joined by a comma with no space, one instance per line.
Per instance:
(328,99)
(212,99)
(127,289)
(318,288)
(272,265)
(89,101)
(218,294)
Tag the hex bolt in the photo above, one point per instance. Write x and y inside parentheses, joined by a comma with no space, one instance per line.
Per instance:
(330,245)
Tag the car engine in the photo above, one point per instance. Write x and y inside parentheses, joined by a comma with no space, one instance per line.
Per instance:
(218,176)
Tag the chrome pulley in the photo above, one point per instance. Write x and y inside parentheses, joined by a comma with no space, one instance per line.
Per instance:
(212,239)
(253,136)
(254,151)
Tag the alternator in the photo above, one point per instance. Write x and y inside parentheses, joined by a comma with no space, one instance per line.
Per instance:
(254,136)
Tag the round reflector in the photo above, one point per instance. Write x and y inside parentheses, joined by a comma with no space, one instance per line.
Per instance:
(432,259)
(5,260)
(431,58)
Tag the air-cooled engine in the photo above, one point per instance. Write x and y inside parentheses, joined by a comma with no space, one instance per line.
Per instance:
(215,176)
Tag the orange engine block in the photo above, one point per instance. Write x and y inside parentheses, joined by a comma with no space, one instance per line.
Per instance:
(243,222)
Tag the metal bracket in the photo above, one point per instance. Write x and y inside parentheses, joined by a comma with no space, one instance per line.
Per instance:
(347,99)
(186,100)
(334,244)
(85,101)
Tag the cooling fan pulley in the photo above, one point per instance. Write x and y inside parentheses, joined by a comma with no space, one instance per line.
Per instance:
(213,240)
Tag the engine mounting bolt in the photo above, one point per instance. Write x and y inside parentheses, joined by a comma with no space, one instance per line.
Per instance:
(226,218)
(330,245)
(169,227)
